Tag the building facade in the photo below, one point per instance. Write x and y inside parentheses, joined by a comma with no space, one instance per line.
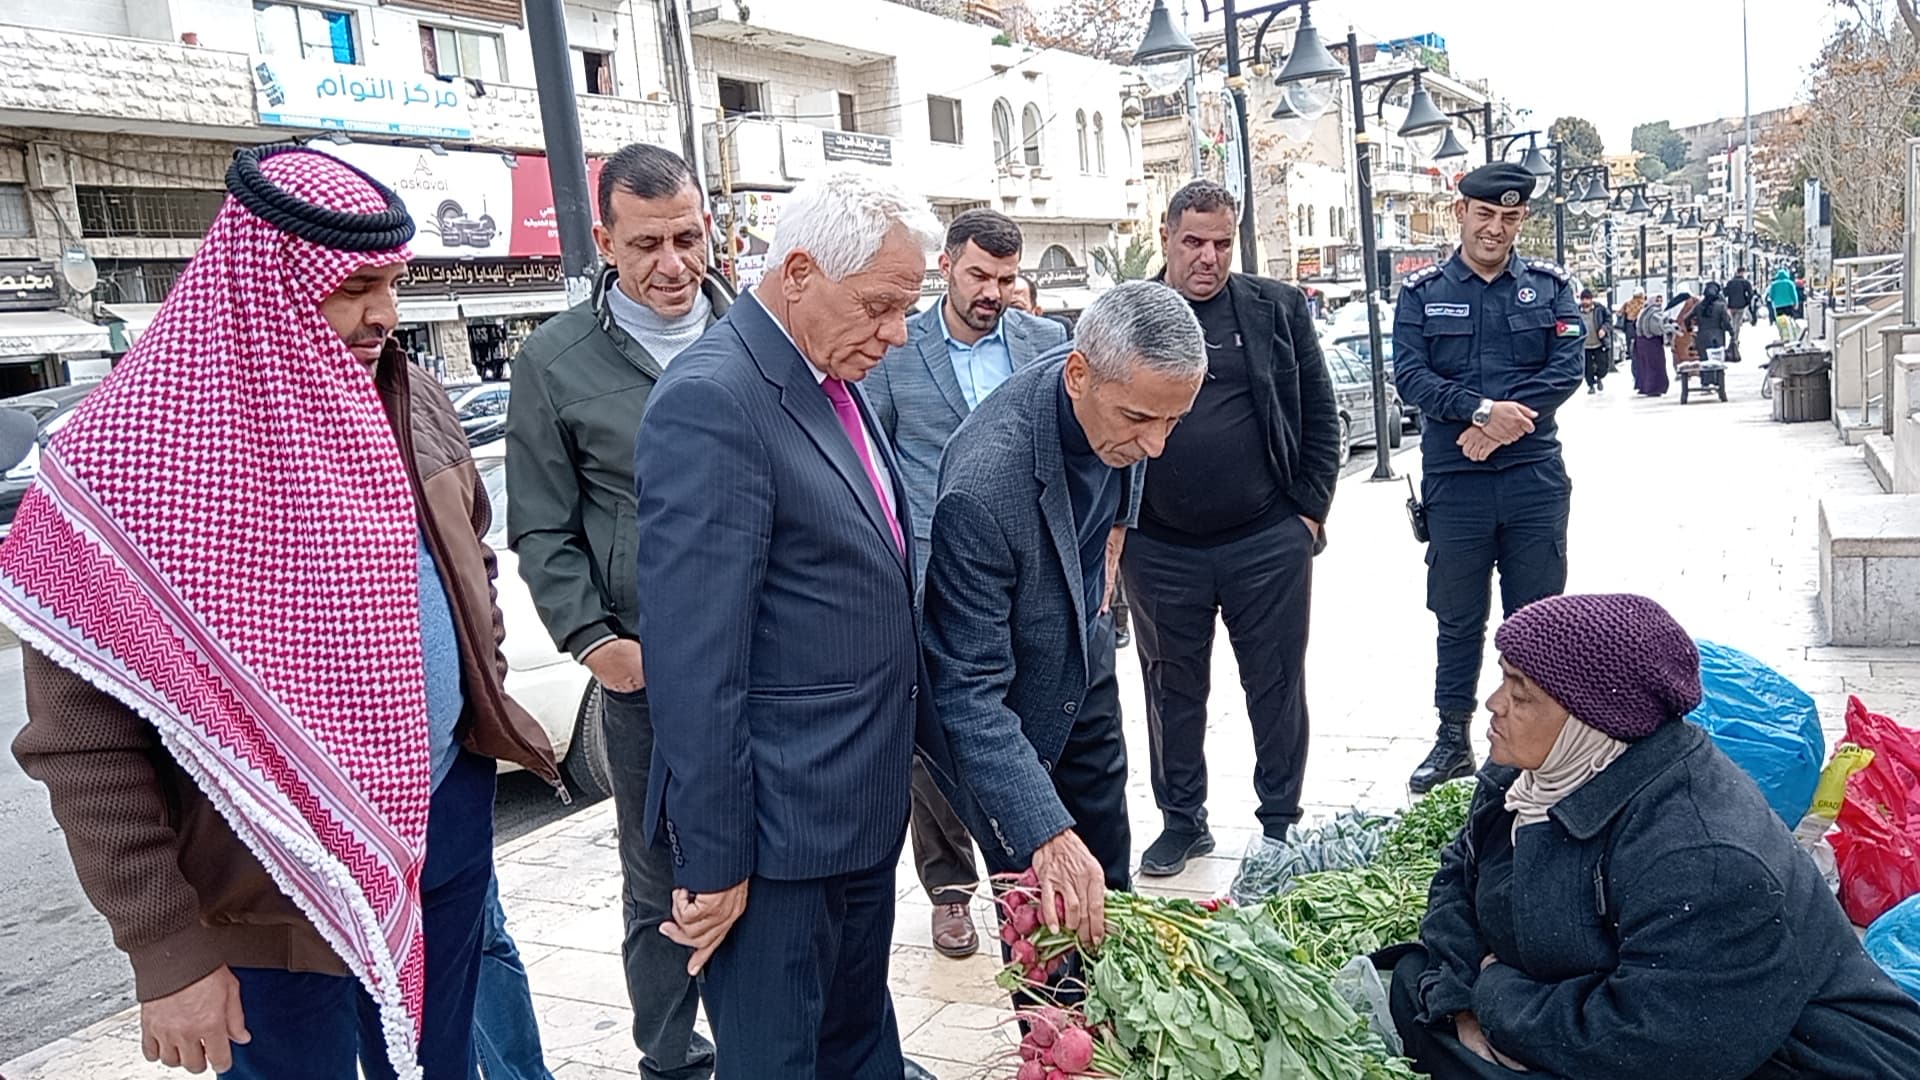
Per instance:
(945,106)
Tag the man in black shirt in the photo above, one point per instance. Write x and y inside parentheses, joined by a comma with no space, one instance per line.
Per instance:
(1229,525)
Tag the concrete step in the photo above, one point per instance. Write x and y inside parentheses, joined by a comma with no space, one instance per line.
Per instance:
(1878,450)
(1870,569)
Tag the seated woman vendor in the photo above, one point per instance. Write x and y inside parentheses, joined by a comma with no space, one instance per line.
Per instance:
(1622,904)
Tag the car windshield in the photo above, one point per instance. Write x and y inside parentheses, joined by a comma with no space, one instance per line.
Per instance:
(493,473)
(492,403)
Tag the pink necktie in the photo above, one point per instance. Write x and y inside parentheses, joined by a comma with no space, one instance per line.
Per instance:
(849,414)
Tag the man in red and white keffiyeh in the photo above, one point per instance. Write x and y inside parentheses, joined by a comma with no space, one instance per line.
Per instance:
(262,652)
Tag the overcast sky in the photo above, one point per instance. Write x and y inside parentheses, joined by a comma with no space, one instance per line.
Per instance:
(1617,64)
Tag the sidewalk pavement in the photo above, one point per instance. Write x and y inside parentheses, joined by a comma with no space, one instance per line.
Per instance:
(1710,508)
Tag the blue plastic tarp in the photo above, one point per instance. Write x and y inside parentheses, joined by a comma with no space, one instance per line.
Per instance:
(1894,943)
(1766,724)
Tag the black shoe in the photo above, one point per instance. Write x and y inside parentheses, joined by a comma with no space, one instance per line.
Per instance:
(1450,758)
(917,1071)
(1122,638)
(1168,855)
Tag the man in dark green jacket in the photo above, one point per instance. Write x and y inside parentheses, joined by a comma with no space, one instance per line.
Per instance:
(580,384)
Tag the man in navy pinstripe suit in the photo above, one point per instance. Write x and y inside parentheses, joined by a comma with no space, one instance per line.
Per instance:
(782,656)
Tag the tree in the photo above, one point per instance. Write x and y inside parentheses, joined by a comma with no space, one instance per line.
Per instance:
(1133,264)
(1106,29)
(1650,168)
(1909,13)
(1579,140)
(1660,140)
(1860,112)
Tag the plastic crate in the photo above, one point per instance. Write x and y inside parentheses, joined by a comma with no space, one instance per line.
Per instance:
(1798,399)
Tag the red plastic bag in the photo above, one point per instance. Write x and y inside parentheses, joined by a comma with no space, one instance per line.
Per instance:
(1878,843)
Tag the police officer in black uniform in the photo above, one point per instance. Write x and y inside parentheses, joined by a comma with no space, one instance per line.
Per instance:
(1488,345)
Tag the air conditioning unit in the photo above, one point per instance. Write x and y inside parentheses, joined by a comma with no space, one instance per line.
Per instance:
(47,167)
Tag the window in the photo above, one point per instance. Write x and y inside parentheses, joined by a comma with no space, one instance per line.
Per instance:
(1056,258)
(1002,132)
(1333,221)
(462,53)
(943,120)
(1030,125)
(594,75)
(162,213)
(1100,144)
(1309,219)
(738,97)
(14,218)
(304,33)
(848,120)
(1080,132)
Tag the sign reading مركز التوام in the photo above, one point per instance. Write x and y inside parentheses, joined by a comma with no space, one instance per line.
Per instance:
(353,97)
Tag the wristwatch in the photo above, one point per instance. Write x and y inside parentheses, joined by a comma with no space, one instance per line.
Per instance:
(1484,413)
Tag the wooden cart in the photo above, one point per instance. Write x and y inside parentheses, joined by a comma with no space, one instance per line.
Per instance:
(1712,375)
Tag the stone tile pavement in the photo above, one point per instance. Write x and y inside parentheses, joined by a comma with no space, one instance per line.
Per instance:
(1710,508)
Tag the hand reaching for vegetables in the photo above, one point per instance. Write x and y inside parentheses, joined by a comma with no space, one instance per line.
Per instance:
(701,922)
(1069,871)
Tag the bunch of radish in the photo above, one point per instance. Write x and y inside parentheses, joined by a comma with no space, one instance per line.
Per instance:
(1036,953)
(1058,1044)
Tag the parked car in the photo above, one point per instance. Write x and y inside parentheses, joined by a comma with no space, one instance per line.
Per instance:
(482,409)
(1353,394)
(50,410)
(560,693)
(1361,343)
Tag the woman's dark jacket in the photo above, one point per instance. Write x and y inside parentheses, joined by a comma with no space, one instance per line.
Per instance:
(1665,926)
(1713,323)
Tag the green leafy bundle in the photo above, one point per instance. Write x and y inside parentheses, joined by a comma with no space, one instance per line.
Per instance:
(1429,825)
(1335,916)
(1194,994)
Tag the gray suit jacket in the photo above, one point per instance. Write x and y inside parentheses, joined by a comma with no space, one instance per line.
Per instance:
(916,400)
(1005,630)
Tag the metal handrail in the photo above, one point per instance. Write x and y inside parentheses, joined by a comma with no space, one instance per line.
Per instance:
(1863,324)
(1872,277)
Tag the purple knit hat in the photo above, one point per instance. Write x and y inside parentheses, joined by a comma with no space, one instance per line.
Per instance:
(1618,662)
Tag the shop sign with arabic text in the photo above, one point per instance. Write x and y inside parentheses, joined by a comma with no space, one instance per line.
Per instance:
(353,97)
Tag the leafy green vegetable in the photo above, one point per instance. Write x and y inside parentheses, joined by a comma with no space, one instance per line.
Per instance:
(1332,917)
(1429,825)
(1352,838)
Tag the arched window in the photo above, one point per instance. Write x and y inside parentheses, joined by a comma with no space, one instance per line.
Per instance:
(1333,221)
(1002,132)
(1100,143)
(1309,219)
(1056,258)
(1030,134)
(1080,131)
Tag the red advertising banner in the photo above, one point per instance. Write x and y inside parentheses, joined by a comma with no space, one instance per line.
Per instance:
(536,229)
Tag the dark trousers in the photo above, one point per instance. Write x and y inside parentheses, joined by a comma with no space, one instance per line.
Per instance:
(1435,1051)
(308,1026)
(1515,519)
(798,991)
(1262,587)
(1091,775)
(1597,366)
(665,999)
(506,1035)
(942,847)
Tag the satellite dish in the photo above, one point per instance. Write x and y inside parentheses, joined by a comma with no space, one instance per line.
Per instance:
(78,270)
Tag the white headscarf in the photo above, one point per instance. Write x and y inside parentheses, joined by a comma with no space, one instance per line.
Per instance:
(1578,755)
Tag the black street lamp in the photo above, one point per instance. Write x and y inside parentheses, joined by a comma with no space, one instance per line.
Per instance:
(1309,75)
(1423,118)
(1450,147)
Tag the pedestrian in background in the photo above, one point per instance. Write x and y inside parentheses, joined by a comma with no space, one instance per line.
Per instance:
(1783,301)
(274,759)
(1650,350)
(1229,526)
(783,649)
(1630,329)
(957,352)
(1488,346)
(1740,299)
(1020,653)
(1025,296)
(1712,324)
(1599,328)
(580,385)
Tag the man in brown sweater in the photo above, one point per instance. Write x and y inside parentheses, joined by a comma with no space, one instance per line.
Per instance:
(262,666)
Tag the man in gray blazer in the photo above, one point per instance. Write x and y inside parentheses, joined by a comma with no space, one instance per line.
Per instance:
(956,353)
(1018,653)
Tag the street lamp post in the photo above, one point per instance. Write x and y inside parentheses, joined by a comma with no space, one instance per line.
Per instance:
(1450,147)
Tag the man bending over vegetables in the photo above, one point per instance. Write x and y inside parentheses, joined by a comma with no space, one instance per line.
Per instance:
(1034,490)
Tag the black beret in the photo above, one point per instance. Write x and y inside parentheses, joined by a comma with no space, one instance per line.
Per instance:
(1502,183)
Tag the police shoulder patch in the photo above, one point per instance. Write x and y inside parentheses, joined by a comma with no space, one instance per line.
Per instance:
(1421,276)
(1553,270)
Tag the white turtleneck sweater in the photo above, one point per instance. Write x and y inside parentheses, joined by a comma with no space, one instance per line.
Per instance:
(663,338)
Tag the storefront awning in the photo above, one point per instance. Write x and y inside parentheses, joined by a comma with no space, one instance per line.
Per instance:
(507,305)
(137,317)
(426,310)
(48,333)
